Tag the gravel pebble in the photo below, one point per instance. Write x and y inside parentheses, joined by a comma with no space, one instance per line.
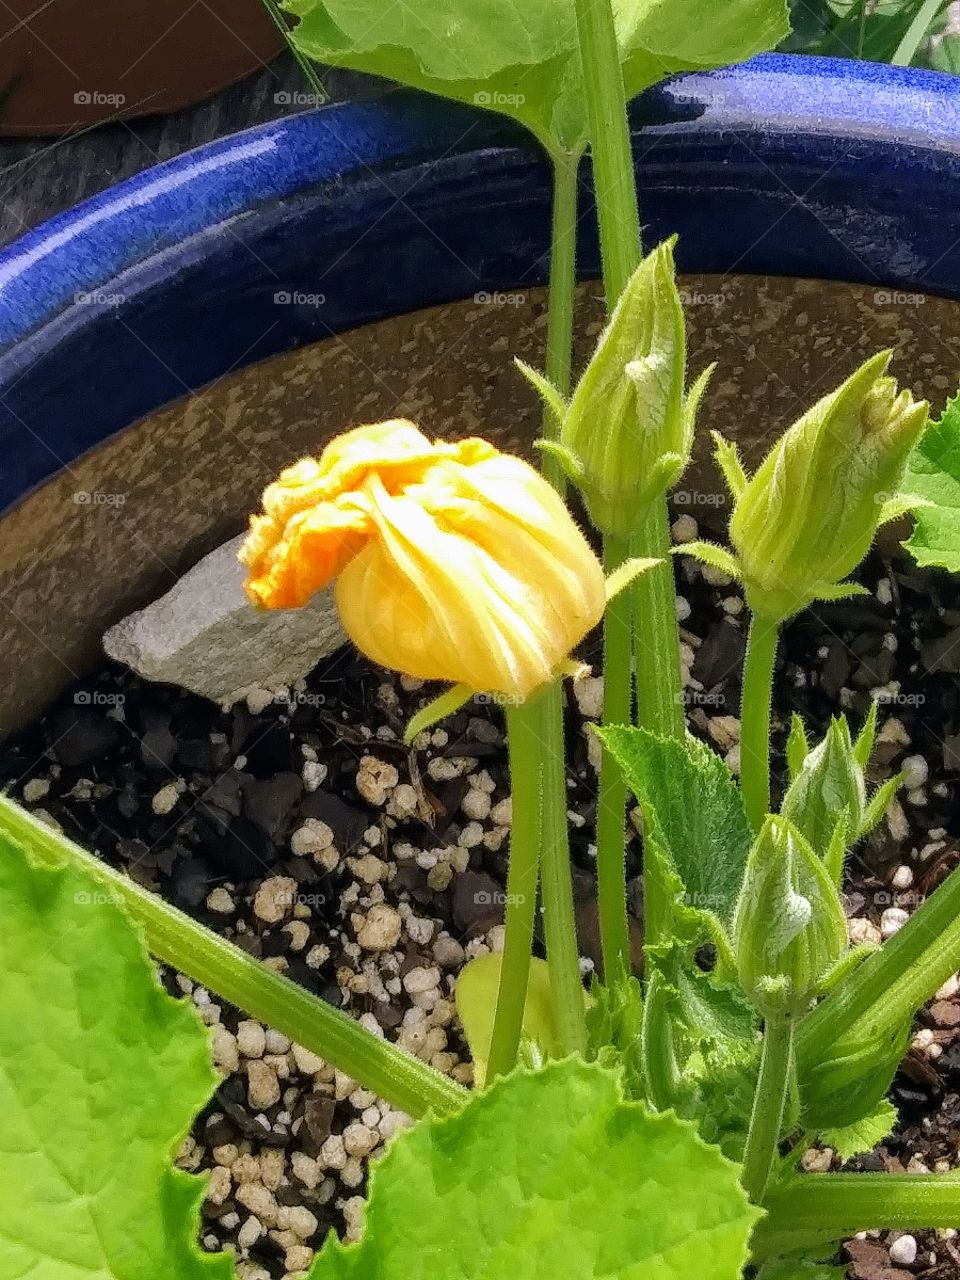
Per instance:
(379,929)
(165,800)
(220,901)
(376,779)
(275,898)
(251,1039)
(915,771)
(903,1251)
(264,1087)
(892,921)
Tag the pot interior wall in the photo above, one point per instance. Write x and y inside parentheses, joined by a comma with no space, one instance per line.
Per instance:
(116,530)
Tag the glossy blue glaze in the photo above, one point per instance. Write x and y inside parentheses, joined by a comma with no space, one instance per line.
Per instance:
(787,165)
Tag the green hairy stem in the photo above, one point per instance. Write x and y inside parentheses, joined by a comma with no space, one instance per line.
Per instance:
(611,805)
(769,1103)
(563,954)
(560,298)
(523,740)
(174,938)
(892,984)
(658,655)
(755,718)
(823,1207)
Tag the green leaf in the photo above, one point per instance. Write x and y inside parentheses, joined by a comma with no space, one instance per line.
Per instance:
(549,1174)
(692,808)
(523,59)
(867,1133)
(710,554)
(716,1045)
(476,1000)
(933,472)
(101,1073)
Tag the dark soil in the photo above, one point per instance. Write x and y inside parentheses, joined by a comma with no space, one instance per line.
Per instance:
(304,831)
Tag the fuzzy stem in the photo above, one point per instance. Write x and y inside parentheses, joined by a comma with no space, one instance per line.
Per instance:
(523,739)
(823,1207)
(887,989)
(611,805)
(563,953)
(659,685)
(766,1121)
(755,718)
(560,298)
(238,978)
(616,193)
(657,631)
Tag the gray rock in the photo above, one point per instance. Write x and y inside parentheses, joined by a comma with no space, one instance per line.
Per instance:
(204,635)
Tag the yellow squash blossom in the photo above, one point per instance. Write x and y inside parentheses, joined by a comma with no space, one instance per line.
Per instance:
(453,561)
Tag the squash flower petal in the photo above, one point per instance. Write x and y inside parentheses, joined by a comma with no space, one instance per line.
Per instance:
(453,561)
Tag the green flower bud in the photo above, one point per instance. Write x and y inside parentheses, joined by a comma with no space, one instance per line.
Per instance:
(808,516)
(827,800)
(847,1085)
(829,788)
(627,433)
(788,926)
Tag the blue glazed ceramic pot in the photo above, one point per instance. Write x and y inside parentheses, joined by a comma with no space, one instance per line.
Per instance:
(202,265)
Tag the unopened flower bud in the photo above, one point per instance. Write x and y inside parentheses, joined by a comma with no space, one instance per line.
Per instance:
(788,926)
(827,800)
(627,433)
(808,516)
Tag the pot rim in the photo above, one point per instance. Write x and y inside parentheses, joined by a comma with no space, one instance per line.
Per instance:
(316,223)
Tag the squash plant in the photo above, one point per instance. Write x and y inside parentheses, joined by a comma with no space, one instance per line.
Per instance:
(646,1128)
